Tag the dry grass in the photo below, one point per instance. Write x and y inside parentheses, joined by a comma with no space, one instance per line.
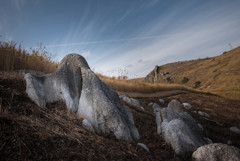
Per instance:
(140,86)
(219,75)
(15,58)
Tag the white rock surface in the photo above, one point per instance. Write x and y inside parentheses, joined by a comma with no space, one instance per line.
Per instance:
(181,131)
(204,114)
(150,104)
(155,105)
(161,101)
(84,93)
(200,126)
(188,106)
(216,152)
(235,130)
(87,125)
(133,102)
(157,112)
(143,146)
(176,106)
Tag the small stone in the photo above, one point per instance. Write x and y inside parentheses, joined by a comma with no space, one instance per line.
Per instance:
(155,105)
(235,130)
(143,146)
(204,114)
(150,104)
(200,126)
(161,101)
(188,106)
(176,106)
(229,142)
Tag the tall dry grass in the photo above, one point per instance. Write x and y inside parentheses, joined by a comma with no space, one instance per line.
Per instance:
(13,57)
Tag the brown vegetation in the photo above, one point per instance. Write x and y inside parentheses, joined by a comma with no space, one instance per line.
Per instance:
(16,58)
(219,75)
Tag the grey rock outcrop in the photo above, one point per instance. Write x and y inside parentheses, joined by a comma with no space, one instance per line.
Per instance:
(181,131)
(216,152)
(84,93)
(176,106)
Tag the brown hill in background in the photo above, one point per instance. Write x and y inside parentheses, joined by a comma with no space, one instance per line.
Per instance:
(219,75)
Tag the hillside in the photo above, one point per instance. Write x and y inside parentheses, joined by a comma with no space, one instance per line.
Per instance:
(29,132)
(219,75)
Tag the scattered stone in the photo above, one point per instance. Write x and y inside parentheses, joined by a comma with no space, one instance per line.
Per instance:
(235,130)
(188,106)
(150,104)
(87,125)
(121,96)
(133,102)
(209,141)
(143,146)
(161,101)
(84,93)
(155,105)
(157,111)
(181,131)
(216,152)
(176,106)
(229,142)
(200,126)
(204,114)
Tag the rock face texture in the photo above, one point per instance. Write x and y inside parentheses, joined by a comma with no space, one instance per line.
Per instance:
(84,93)
(216,152)
(178,128)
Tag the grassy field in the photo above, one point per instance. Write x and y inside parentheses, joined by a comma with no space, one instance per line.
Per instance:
(219,75)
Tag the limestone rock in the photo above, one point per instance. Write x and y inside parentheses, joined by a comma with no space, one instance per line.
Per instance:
(87,125)
(216,152)
(150,104)
(181,131)
(161,101)
(133,102)
(235,130)
(143,146)
(204,114)
(188,106)
(84,93)
(176,106)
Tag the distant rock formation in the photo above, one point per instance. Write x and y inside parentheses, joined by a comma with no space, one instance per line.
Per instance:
(84,93)
(217,152)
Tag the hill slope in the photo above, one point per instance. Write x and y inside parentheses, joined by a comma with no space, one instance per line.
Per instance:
(219,75)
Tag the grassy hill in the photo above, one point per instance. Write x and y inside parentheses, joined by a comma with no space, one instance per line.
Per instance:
(219,75)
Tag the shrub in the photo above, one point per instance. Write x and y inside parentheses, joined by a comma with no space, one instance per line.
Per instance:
(185,80)
(197,84)
(169,79)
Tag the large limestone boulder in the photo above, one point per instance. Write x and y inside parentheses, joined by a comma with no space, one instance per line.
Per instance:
(216,152)
(179,130)
(84,93)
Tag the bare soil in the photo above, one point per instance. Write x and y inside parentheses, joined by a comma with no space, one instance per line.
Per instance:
(29,132)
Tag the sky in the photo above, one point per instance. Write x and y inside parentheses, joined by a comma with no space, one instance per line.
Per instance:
(129,35)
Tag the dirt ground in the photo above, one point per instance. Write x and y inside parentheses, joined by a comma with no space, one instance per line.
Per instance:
(28,132)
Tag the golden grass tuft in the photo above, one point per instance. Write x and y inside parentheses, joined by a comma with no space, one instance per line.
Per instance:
(15,58)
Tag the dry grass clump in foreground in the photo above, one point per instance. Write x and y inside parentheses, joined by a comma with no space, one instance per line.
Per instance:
(15,58)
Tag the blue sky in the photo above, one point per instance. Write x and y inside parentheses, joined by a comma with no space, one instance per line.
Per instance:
(134,35)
